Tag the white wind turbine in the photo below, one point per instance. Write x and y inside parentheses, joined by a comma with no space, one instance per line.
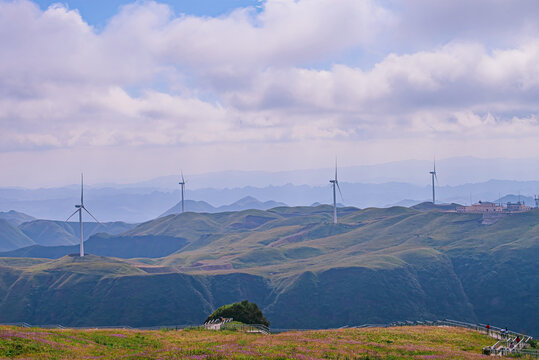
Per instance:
(434,175)
(182,183)
(335,184)
(79,210)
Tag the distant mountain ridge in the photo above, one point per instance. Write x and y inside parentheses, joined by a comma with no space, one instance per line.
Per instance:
(528,200)
(451,171)
(11,237)
(245,203)
(16,218)
(17,233)
(53,233)
(135,205)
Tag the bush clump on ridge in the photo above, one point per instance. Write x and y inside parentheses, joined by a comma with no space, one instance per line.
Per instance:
(245,312)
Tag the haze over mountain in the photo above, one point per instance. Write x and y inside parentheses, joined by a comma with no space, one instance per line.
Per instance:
(245,203)
(134,204)
(451,172)
(12,237)
(16,218)
(49,232)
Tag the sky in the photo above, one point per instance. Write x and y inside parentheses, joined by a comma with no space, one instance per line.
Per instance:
(127,91)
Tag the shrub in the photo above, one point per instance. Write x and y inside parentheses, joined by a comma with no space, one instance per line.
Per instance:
(245,312)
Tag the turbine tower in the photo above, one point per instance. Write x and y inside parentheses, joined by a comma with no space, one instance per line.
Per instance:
(536,198)
(79,210)
(182,183)
(335,184)
(434,175)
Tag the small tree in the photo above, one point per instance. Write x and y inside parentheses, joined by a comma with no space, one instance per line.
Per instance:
(245,312)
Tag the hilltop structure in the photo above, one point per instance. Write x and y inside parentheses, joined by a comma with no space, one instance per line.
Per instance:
(481,208)
(517,207)
(493,208)
(493,212)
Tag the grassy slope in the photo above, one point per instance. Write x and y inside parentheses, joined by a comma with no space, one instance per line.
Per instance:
(375,343)
(377,265)
(11,237)
(57,233)
(439,264)
(15,218)
(147,246)
(280,241)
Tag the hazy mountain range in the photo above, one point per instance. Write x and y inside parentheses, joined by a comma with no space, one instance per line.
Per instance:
(18,230)
(138,204)
(406,183)
(245,203)
(451,172)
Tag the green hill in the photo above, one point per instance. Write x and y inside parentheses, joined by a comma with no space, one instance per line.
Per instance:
(375,266)
(15,218)
(55,233)
(124,247)
(11,237)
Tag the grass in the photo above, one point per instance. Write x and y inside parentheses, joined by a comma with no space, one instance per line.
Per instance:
(289,240)
(357,240)
(438,264)
(419,342)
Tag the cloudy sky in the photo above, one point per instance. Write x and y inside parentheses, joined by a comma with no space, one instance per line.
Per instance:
(127,91)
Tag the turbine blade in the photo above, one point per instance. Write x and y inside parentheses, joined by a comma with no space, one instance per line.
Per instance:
(338,187)
(70,216)
(183,180)
(335,169)
(436,176)
(89,213)
(81,188)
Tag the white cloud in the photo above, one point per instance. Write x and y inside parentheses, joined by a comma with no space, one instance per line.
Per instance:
(447,82)
(154,78)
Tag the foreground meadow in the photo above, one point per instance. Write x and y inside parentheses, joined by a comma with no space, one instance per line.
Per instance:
(419,342)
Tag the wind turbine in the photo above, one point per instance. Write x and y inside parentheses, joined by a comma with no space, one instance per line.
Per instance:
(335,184)
(182,183)
(434,175)
(79,210)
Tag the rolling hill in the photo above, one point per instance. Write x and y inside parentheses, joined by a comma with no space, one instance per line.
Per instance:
(11,237)
(17,233)
(123,247)
(54,233)
(375,266)
(15,218)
